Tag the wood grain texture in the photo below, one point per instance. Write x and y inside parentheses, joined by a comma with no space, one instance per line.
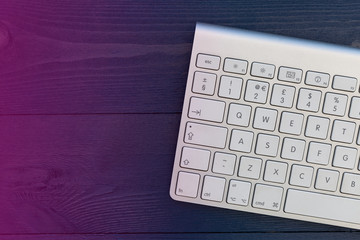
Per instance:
(105,174)
(92,56)
(85,179)
(90,99)
(184,236)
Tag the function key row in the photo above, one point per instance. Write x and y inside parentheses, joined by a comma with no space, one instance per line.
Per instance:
(287,74)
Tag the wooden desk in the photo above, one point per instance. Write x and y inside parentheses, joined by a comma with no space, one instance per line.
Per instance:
(90,99)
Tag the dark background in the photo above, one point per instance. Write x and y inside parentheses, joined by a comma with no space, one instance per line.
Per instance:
(91,95)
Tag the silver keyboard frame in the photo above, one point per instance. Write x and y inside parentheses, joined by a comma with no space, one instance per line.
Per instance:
(280,51)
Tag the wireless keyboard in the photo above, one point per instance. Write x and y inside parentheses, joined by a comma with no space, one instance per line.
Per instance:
(270,125)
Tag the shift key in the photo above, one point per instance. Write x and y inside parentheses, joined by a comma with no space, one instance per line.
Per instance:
(205,135)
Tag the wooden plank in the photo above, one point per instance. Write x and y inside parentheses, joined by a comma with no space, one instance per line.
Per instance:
(257,236)
(104,174)
(110,173)
(83,173)
(187,236)
(131,57)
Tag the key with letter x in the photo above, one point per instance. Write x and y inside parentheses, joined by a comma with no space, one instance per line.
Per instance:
(275,171)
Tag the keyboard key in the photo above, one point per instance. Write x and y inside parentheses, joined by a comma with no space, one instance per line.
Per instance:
(290,74)
(208,61)
(282,96)
(250,167)
(206,109)
(239,115)
(317,127)
(187,184)
(195,158)
(213,188)
(204,83)
(275,171)
(241,140)
(351,184)
(265,119)
(293,149)
(309,100)
(319,153)
(343,131)
(267,145)
(344,83)
(230,87)
(263,70)
(267,197)
(322,206)
(239,192)
(301,175)
(327,180)
(256,91)
(291,123)
(335,104)
(205,135)
(345,157)
(235,65)
(224,163)
(355,108)
(317,79)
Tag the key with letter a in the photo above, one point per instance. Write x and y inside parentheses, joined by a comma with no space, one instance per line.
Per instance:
(241,140)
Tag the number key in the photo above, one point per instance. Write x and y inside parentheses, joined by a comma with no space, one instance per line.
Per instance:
(335,104)
(309,100)
(230,87)
(355,108)
(256,91)
(282,96)
(204,83)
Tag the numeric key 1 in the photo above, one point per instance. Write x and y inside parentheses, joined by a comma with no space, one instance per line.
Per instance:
(230,87)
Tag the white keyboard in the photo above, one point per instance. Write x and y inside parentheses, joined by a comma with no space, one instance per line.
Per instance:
(270,125)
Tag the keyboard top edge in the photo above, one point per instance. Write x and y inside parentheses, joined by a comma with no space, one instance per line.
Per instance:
(279,39)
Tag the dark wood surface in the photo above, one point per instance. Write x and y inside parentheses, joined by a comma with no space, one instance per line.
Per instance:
(90,101)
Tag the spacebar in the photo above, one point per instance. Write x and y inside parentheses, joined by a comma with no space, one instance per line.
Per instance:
(323,206)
